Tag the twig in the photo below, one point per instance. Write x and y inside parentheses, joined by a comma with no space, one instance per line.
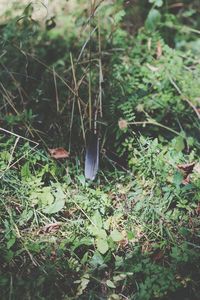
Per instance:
(9,166)
(11,154)
(76,95)
(100,69)
(17,135)
(193,107)
(56,90)
(85,44)
(155,123)
(184,98)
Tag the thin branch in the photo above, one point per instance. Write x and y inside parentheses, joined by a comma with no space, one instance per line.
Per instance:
(184,98)
(157,124)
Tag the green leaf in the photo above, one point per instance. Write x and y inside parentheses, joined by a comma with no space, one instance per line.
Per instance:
(179,144)
(83,284)
(119,16)
(177,179)
(119,277)
(115,297)
(84,259)
(9,255)
(153,19)
(59,191)
(79,242)
(118,261)
(97,259)
(101,233)
(25,170)
(81,179)
(11,242)
(5,155)
(55,207)
(190,141)
(157,3)
(130,235)
(97,220)
(46,197)
(110,284)
(116,235)
(102,245)
(58,204)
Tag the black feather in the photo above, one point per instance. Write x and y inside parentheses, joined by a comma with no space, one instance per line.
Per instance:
(92,156)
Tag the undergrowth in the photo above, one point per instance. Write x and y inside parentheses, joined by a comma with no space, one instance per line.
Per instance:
(134,232)
(131,236)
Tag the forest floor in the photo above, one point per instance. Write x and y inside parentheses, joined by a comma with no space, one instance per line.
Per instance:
(133,232)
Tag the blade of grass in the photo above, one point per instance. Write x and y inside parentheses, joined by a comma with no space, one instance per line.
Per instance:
(78,101)
(56,91)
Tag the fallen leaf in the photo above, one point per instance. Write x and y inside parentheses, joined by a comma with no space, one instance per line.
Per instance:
(58,153)
(52,227)
(186,180)
(123,243)
(186,170)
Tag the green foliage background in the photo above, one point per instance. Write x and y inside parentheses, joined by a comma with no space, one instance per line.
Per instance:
(134,233)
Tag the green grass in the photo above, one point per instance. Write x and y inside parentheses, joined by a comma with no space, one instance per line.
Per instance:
(134,236)
(133,233)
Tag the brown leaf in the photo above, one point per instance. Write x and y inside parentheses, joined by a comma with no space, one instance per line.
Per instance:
(159,50)
(186,180)
(123,243)
(49,228)
(70,212)
(58,153)
(186,170)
